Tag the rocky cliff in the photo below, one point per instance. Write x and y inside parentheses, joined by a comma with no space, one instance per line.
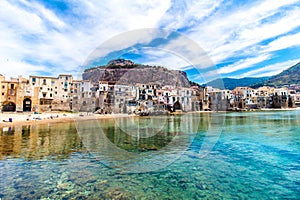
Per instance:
(126,72)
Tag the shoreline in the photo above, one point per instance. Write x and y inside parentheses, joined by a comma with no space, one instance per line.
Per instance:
(24,119)
(29,118)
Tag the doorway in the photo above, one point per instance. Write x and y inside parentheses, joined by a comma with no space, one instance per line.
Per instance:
(27,105)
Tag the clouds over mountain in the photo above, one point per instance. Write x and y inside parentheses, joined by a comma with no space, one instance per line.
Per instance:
(240,37)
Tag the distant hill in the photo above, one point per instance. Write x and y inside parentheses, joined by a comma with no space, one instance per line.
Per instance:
(124,71)
(287,77)
(231,83)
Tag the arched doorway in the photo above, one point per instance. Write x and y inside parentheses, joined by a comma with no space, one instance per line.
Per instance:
(27,105)
(176,106)
(9,107)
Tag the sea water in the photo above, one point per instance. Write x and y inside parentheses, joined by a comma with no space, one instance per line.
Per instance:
(245,155)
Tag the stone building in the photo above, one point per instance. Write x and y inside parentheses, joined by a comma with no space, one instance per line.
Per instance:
(50,93)
(12,95)
(85,96)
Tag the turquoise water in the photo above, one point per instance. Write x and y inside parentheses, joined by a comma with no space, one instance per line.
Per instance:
(251,155)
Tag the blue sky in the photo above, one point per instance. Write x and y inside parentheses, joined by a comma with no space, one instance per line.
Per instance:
(239,38)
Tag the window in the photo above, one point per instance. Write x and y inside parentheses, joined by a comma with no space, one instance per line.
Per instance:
(67,78)
(3,86)
(84,103)
(52,82)
(33,80)
(12,86)
(66,90)
(45,102)
(44,95)
(55,92)
(2,93)
(11,92)
(82,95)
(44,82)
(50,94)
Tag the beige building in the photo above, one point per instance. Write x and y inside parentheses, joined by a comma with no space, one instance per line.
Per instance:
(12,95)
(50,93)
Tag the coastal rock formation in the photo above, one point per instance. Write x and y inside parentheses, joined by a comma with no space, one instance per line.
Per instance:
(126,72)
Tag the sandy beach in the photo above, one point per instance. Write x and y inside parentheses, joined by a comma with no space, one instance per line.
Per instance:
(28,118)
(49,118)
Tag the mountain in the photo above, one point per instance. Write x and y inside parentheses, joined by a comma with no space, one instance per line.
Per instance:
(124,71)
(231,83)
(287,77)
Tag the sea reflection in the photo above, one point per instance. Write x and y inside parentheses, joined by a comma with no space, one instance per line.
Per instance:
(125,135)
(34,142)
(136,144)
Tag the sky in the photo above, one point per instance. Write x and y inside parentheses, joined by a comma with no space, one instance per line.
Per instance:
(206,38)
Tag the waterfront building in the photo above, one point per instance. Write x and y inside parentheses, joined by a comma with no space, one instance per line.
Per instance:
(218,101)
(85,97)
(12,95)
(62,93)
(297,99)
(196,100)
(280,98)
(50,93)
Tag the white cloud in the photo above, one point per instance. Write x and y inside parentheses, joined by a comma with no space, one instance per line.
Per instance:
(127,40)
(243,64)
(44,13)
(66,40)
(19,20)
(273,69)
(188,13)
(189,50)
(10,67)
(239,31)
(283,43)
(163,57)
(37,33)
